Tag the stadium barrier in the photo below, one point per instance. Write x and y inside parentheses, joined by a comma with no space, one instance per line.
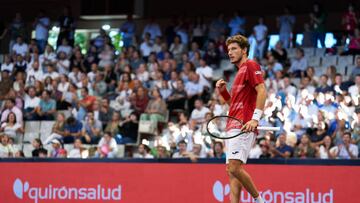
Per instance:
(174,180)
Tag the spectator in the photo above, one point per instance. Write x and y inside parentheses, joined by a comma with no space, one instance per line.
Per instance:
(308,39)
(286,23)
(323,85)
(85,104)
(354,44)
(299,65)
(260,33)
(181,153)
(73,129)
(198,114)
(304,149)
(6,149)
(152,28)
(198,29)
(237,24)
(78,151)
(129,129)
(177,48)
(92,129)
(350,20)
(20,64)
(206,73)
(356,70)
(67,27)
(265,150)
(194,89)
(128,29)
(34,73)
(11,128)
(30,104)
(7,64)
(65,47)
(42,25)
(156,108)
(283,150)
(43,153)
(139,100)
(17,29)
(63,63)
(99,41)
(346,150)
(11,108)
(58,130)
(106,56)
(218,150)
(279,53)
(272,66)
(38,146)
(48,57)
(47,107)
(212,55)
(57,149)
(317,21)
(217,27)
(178,97)
(161,152)
(19,154)
(324,150)
(146,47)
(143,152)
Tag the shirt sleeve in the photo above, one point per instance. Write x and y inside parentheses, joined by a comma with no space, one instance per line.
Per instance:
(255,75)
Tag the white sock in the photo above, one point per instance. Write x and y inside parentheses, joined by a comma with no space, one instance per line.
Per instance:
(259,200)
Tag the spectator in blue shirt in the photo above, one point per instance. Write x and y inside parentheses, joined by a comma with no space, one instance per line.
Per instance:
(47,107)
(283,150)
(72,130)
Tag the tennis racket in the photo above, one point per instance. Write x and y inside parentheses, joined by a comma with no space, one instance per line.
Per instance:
(220,127)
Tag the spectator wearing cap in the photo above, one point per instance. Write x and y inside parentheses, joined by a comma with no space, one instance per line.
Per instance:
(56,149)
(10,107)
(47,107)
(283,150)
(143,152)
(304,149)
(346,150)
(299,65)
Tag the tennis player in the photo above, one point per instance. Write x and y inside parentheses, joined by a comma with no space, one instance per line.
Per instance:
(246,99)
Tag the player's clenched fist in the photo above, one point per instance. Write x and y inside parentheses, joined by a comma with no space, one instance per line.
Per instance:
(221,84)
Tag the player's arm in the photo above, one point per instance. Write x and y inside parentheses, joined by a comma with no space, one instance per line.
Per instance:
(260,104)
(221,85)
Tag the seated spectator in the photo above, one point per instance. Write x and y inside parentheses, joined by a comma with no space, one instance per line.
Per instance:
(299,65)
(19,154)
(346,150)
(65,47)
(92,130)
(10,107)
(272,66)
(43,153)
(212,55)
(78,151)
(161,152)
(63,63)
(112,126)
(177,48)
(283,150)
(198,114)
(48,57)
(218,150)
(143,152)
(279,53)
(20,65)
(73,129)
(30,104)
(355,89)
(6,149)
(265,150)
(7,64)
(58,130)
(20,47)
(106,112)
(106,56)
(181,152)
(99,86)
(142,73)
(323,85)
(34,73)
(324,149)
(11,128)
(193,89)
(85,104)
(139,100)
(47,107)
(356,70)
(51,73)
(78,60)
(57,150)
(107,147)
(156,108)
(146,47)
(304,149)
(75,75)
(129,129)
(38,146)
(177,98)
(205,73)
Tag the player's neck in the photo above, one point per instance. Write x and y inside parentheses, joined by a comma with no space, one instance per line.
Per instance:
(242,61)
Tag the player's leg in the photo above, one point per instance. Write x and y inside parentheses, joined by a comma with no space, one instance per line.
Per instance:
(235,187)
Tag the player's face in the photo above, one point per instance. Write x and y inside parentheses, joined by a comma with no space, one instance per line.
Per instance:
(235,52)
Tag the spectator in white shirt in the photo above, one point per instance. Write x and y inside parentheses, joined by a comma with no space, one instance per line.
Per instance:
(346,150)
(142,74)
(146,47)
(10,107)
(78,151)
(198,114)
(324,151)
(205,73)
(48,57)
(30,103)
(51,73)
(354,90)
(299,65)
(64,84)
(260,32)
(92,74)
(6,149)
(7,65)
(63,63)
(143,152)
(20,47)
(42,25)
(181,153)
(11,128)
(34,73)
(107,146)
(65,47)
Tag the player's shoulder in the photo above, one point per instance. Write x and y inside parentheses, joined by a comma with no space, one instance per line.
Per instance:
(252,64)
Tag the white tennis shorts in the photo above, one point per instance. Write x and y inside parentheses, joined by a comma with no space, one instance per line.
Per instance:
(239,147)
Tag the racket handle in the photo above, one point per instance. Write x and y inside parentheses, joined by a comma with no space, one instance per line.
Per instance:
(268,128)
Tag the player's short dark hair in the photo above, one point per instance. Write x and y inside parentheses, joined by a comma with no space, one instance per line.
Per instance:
(242,41)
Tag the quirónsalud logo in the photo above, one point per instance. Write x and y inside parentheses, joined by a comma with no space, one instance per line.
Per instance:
(23,190)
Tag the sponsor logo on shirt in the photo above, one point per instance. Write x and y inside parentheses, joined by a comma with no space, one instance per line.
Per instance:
(258,72)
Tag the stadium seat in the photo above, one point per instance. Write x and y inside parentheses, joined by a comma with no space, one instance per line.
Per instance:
(346,60)
(45,129)
(320,52)
(291,52)
(309,52)
(121,151)
(68,147)
(32,131)
(67,113)
(314,61)
(328,61)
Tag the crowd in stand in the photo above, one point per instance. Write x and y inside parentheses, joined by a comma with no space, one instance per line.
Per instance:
(162,83)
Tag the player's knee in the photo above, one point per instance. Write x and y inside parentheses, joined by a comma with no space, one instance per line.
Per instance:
(234,167)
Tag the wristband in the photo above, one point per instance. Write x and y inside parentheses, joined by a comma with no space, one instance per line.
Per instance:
(225,94)
(257,115)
